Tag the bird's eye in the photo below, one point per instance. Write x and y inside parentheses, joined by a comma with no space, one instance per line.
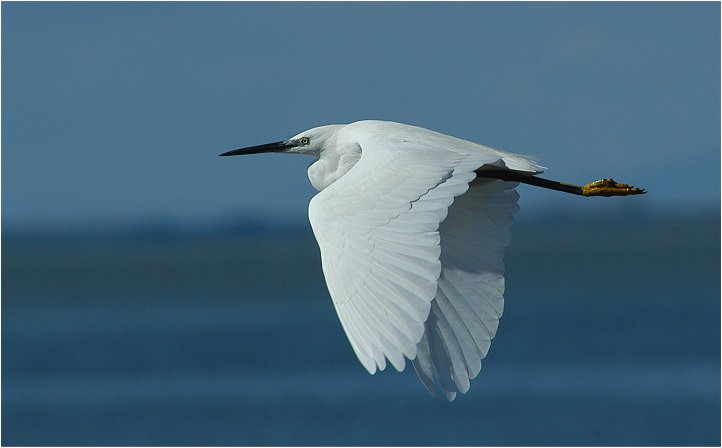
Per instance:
(303,141)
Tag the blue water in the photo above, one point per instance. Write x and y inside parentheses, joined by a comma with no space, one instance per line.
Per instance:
(610,336)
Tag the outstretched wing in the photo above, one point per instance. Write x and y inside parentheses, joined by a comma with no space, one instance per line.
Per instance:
(378,231)
(469,301)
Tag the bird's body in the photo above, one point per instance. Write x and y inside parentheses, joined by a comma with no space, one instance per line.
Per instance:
(341,148)
(412,226)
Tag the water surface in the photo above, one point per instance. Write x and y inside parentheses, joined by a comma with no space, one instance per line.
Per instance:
(610,336)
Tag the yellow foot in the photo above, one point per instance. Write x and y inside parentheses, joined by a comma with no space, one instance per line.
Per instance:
(608,187)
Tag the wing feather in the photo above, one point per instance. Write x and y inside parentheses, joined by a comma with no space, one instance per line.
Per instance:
(440,356)
(462,328)
(377,227)
(398,312)
(412,255)
(469,300)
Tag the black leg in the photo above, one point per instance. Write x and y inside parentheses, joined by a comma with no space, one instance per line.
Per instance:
(604,187)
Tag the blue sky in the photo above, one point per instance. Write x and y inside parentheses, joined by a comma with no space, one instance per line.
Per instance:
(117,112)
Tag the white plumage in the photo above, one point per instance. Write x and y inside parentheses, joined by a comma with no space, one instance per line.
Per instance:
(412,243)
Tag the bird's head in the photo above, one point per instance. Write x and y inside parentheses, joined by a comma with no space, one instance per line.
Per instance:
(309,142)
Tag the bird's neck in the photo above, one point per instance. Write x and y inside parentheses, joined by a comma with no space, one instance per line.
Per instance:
(332,164)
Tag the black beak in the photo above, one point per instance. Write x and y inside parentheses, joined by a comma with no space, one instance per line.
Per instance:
(268,147)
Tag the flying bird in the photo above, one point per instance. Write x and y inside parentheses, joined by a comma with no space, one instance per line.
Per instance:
(412,225)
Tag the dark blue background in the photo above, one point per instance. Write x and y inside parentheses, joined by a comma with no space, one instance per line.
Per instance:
(115,112)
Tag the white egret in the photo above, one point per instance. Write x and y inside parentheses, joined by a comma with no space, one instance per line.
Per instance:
(412,226)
